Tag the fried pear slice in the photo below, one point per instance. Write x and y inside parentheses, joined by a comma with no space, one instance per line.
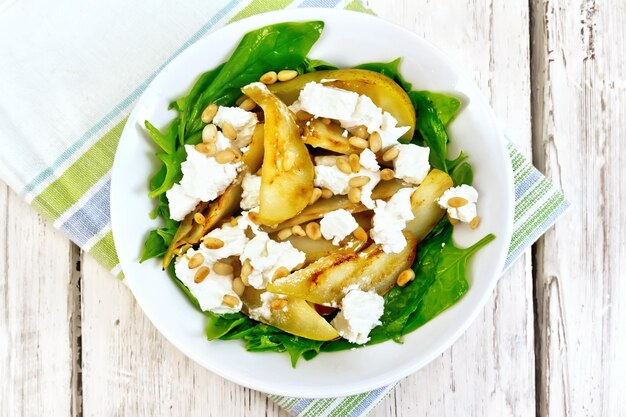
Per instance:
(329,137)
(189,232)
(287,172)
(297,317)
(316,249)
(383,91)
(424,203)
(327,280)
(383,191)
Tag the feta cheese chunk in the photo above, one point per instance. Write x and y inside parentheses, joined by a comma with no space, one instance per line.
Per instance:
(368,160)
(360,313)
(390,219)
(203,177)
(466,212)
(412,164)
(337,224)
(264,311)
(243,121)
(180,203)
(266,256)
(209,292)
(327,175)
(234,239)
(350,109)
(250,197)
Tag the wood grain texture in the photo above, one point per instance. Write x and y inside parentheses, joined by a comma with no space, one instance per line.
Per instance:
(36,336)
(490,370)
(579,101)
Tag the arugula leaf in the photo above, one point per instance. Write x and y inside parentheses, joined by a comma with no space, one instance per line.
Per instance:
(275,47)
(167,140)
(389,69)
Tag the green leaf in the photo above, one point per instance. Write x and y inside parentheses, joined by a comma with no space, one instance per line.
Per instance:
(172,172)
(312,65)
(389,69)
(153,247)
(462,174)
(167,140)
(446,106)
(218,326)
(275,47)
(431,129)
(172,274)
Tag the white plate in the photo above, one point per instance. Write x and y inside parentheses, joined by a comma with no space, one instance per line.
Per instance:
(348,39)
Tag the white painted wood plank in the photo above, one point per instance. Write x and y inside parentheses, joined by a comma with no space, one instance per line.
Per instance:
(129,369)
(579,71)
(35,313)
(490,370)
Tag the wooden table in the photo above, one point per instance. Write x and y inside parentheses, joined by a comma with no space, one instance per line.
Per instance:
(551,340)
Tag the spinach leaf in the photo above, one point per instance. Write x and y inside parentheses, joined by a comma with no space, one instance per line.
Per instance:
(167,140)
(312,65)
(431,129)
(274,47)
(389,69)
(446,106)
(462,174)
(172,172)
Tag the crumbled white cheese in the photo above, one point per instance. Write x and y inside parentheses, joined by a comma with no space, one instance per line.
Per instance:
(331,177)
(338,224)
(209,292)
(360,313)
(264,311)
(266,256)
(368,160)
(465,213)
(243,121)
(412,164)
(180,203)
(234,238)
(350,109)
(250,197)
(390,219)
(205,178)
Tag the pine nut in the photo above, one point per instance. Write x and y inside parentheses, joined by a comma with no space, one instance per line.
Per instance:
(355,162)
(209,113)
(269,77)
(241,99)
(209,133)
(254,218)
(359,181)
(238,286)
(297,230)
(278,304)
(360,131)
(391,154)
(246,270)
(222,268)
(317,193)
(358,142)
(387,174)
(280,273)
(229,131)
(284,234)
(360,234)
(213,243)
(456,202)
(354,195)
(313,230)
(248,104)
(405,277)
(230,301)
(376,143)
(199,218)
(206,148)
(303,116)
(289,160)
(326,193)
(286,75)
(452,220)
(237,153)
(201,274)
(224,157)
(195,261)
(344,165)
(474,223)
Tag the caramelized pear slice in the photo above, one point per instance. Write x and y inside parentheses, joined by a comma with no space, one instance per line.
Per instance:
(287,172)
(297,317)
(383,191)
(327,280)
(383,91)
(316,249)
(329,137)
(424,203)
(189,232)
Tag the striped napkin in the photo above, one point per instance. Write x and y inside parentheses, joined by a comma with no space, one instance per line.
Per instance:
(66,94)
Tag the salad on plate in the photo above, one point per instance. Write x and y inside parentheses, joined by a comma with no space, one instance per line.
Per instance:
(308,208)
